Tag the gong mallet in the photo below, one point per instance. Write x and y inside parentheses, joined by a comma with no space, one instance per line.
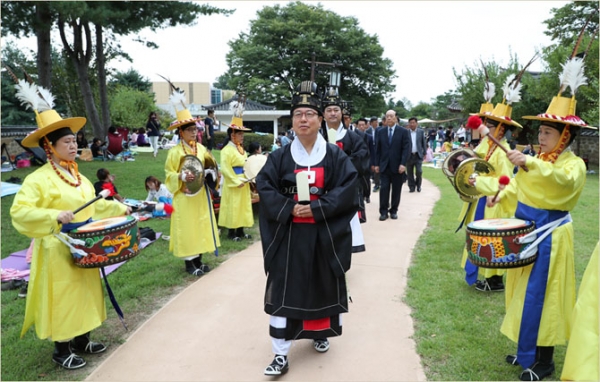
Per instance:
(102,195)
(503,181)
(474,123)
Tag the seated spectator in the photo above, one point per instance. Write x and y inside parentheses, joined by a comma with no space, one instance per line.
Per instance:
(98,149)
(82,143)
(142,139)
(447,146)
(156,189)
(115,141)
(106,182)
(133,138)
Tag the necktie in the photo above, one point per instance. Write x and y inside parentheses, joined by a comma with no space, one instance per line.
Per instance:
(391,129)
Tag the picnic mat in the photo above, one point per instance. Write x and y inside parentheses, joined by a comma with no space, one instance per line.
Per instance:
(17,261)
(9,188)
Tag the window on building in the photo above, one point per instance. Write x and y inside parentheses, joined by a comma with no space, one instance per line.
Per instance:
(216,96)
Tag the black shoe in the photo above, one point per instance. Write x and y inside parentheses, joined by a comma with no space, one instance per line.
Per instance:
(200,265)
(394,216)
(375,189)
(537,372)
(279,366)
(247,236)
(487,286)
(64,357)
(419,189)
(83,344)
(368,200)
(411,190)
(23,290)
(383,217)
(512,360)
(321,345)
(192,269)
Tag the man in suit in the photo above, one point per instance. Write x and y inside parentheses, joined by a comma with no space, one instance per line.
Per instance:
(393,147)
(415,160)
(209,129)
(373,126)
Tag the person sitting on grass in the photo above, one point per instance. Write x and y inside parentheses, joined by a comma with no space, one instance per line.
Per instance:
(98,149)
(106,182)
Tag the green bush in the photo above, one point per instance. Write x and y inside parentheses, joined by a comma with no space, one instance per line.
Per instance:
(130,107)
(266,141)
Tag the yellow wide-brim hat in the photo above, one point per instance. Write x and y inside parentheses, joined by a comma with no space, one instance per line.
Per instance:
(238,124)
(501,113)
(561,110)
(184,117)
(49,121)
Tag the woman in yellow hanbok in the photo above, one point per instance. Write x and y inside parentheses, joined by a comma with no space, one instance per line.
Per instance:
(581,360)
(193,224)
(64,302)
(541,296)
(498,121)
(235,211)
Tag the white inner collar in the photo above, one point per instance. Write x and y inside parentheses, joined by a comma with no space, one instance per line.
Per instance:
(302,158)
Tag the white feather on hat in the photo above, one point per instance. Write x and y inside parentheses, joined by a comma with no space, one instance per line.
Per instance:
(572,75)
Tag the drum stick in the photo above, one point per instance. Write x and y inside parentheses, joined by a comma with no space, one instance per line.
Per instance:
(474,123)
(103,195)
(503,181)
(303,189)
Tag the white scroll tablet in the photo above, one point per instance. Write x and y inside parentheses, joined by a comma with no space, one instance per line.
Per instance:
(332,135)
(302,184)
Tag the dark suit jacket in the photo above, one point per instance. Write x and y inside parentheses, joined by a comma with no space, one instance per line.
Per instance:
(421,142)
(394,155)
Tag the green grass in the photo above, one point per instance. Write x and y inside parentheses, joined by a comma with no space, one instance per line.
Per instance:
(457,329)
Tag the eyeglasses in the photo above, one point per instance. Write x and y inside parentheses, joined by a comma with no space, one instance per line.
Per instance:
(308,114)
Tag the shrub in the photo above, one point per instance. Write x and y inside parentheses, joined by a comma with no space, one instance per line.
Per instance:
(265,140)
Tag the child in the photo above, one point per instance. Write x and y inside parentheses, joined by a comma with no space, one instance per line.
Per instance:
(105,182)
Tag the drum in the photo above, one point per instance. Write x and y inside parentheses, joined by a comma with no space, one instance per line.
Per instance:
(107,241)
(494,243)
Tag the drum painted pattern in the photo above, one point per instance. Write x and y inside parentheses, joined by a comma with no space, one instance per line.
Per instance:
(107,241)
(491,242)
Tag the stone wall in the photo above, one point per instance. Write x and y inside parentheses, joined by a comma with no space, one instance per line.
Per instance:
(12,146)
(587,147)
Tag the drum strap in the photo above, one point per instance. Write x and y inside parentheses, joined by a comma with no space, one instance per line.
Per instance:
(471,270)
(239,170)
(112,298)
(535,292)
(212,226)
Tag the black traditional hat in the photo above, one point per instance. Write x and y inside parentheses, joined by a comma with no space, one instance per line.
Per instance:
(306,95)
(346,108)
(331,98)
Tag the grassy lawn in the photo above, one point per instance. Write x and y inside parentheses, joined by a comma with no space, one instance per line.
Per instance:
(456,328)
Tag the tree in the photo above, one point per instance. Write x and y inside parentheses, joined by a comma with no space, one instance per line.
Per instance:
(121,17)
(564,28)
(271,60)
(130,107)
(422,110)
(13,113)
(131,79)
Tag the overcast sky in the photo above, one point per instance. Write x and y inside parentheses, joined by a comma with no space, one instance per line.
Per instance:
(424,40)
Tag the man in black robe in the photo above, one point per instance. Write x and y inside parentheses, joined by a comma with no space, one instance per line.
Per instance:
(307,245)
(357,150)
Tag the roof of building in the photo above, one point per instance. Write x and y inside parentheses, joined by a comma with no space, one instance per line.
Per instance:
(250,105)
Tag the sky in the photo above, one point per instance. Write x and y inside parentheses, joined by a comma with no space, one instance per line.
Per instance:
(425,40)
